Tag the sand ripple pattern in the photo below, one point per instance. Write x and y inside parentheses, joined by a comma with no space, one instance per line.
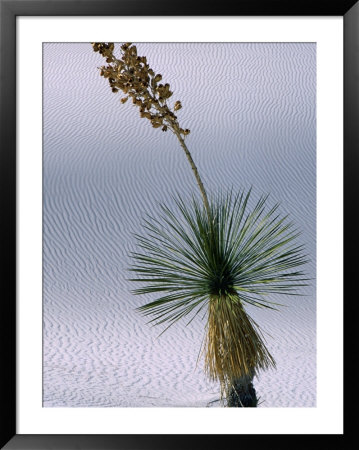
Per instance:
(251,109)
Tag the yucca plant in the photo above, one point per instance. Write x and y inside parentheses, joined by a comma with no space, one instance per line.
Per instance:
(217,266)
(210,255)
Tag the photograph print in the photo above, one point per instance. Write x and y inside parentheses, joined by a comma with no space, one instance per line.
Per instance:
(179,224)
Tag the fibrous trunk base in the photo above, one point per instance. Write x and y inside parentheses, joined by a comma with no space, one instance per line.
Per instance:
(235,350)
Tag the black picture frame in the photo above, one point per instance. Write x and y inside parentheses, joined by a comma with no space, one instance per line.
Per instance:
(9,10)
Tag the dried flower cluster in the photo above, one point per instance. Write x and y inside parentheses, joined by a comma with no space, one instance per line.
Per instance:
(133,76)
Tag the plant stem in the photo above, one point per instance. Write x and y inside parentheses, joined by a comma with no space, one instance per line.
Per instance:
(195,171)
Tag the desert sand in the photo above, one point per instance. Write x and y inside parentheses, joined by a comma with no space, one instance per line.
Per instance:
(251,111)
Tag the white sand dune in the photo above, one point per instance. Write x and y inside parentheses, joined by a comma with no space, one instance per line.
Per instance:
(251,111)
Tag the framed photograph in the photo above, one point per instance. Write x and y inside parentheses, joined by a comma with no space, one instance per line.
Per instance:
(174,204)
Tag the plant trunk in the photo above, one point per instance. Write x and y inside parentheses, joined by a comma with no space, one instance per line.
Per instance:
(242,394)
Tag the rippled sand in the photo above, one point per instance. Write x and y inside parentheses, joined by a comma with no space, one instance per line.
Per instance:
(251,111)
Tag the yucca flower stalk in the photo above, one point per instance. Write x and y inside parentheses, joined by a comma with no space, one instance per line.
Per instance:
(134,77)
(211,256)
